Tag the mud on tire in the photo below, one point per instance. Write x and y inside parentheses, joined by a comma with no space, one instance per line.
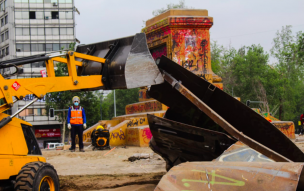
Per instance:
(37,176)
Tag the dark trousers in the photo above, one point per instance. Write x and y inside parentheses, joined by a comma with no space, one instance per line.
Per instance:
(77,130)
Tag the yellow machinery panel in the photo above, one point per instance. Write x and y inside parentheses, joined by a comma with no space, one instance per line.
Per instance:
(12,140)
(10,165)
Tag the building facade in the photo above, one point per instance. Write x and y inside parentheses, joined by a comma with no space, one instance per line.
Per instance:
(31,27)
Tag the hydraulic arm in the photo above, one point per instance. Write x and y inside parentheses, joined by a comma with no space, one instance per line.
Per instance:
(127,63)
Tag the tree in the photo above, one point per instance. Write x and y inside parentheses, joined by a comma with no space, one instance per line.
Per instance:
(287,51)
(180,5)
(123,98)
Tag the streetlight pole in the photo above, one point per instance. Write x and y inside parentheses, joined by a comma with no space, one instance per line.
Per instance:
(101,105)
(114,104)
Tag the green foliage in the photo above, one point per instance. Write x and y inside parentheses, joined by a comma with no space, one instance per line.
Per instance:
(248,73)
(180,5)
(123,98)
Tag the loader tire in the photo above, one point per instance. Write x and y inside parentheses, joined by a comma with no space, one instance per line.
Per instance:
(37,176)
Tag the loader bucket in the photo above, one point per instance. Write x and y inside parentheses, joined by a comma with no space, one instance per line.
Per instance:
(227,109)
(129,63)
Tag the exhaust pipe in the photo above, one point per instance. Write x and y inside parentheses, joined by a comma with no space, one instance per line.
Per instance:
(129,63)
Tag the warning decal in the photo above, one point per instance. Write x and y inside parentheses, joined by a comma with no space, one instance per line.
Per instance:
(16,85)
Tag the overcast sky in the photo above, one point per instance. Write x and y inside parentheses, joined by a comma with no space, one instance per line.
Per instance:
(236,22)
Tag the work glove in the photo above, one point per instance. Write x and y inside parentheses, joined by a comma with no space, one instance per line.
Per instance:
(69,126)
(84,125)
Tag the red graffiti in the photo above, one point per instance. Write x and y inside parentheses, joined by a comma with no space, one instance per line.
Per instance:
(158,52)
(190,21)
(147,135)
(143,107)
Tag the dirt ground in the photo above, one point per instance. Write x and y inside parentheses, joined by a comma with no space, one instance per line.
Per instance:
(97,170)
(103,171)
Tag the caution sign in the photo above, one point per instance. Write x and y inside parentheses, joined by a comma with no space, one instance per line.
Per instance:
(16,85)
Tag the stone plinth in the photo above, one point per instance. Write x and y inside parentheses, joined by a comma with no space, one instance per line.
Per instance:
(183,36)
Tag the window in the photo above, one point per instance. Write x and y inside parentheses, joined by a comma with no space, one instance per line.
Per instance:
(6,19)
(3,52)
(47,1)
(2,6)
(25,15)
(18,15)
(47,14)
(37,47)
(26,48)
(49,47)
(62,15)
(40,31)
(48,31)
(18,31)
(55,31)
(2,22)
(51,31)
(38,112)
(55,15)
(39,15)
(6,35)
(63,31)
(66,31)
(7,50)
(30,111)
(19,47)
(25,31)
(5,3)
(22,15)
(34,47)
(64,46)
(66,15)
(22,31)
(34,31)
(41,47)
(69,15)
(2,37)
(56,47)
(23,47)
(70,31)
(32,15)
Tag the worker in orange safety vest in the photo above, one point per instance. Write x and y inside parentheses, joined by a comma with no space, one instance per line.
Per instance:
(76,122)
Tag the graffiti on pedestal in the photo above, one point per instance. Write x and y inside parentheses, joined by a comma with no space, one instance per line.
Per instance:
(143,107)
(158,52)
(146,135)
(143,94)
(190,49)
(117,135)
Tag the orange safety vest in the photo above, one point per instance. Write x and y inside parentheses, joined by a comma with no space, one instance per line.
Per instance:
(76,116)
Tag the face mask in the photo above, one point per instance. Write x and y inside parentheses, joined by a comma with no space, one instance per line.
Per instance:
(76,103)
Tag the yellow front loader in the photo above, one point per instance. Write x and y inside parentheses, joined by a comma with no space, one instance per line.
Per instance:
(117,64)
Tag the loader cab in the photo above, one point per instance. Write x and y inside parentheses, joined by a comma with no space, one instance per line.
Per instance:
(32,145)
